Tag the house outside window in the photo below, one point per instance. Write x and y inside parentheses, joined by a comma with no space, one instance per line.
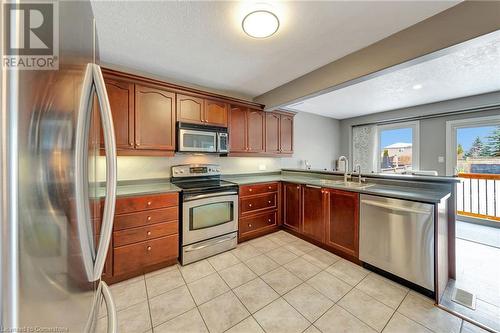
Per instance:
(398,147)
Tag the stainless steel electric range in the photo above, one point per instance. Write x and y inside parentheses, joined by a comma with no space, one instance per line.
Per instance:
(209,211)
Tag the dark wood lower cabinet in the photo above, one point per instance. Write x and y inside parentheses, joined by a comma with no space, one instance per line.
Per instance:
(326,217)
(145,236)
(291,206)
(313,212)
(342,222)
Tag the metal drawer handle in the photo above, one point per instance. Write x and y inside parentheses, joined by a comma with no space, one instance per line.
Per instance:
(396,208)
(211,244)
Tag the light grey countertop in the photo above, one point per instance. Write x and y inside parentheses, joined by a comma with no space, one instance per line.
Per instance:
(392,191)
(142,187)
(387,176)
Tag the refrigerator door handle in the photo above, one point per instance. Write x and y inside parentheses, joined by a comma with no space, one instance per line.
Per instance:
(111,308)
(111,170)
(81,173)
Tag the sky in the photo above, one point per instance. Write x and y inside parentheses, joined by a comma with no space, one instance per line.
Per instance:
(465,136)
(388,137)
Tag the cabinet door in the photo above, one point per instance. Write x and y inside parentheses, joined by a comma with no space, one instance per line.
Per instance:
(291,206)
(190,109)
(342,223)
(313,212)
(155,118)
(238,130)
(286,134)
(121,100)
(255,131)
(272,136)
(216,113)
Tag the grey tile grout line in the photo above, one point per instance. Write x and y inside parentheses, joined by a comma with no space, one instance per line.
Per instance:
(149,305)
(194,301)
(231,290)
(395,311)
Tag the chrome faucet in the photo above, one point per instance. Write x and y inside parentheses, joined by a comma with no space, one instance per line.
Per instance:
(357,168)
(346,167)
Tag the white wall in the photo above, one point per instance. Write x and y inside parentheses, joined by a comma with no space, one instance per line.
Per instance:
(316,139)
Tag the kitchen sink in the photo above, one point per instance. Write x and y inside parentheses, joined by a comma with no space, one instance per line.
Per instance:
(349,184)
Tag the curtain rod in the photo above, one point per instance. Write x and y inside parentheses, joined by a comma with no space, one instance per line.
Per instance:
(430,116)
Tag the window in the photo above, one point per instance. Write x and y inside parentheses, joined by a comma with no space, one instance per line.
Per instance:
(398,147)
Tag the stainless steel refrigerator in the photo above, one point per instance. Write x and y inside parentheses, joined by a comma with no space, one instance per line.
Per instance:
(56,214)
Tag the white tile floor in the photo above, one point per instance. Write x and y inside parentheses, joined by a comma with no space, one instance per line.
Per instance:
(276,283)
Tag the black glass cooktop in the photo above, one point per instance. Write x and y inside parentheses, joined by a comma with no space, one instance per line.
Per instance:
(203,184)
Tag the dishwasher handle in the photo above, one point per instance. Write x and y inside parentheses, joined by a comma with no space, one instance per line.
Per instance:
(395,208)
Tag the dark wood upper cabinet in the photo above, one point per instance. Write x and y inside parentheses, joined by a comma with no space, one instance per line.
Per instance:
(154,118)
(272,133)
(238,130)
(286,134)
(121,100)
(342,221)
(291,206)
(216,113)
(255,131)
(313,212)
(190,109)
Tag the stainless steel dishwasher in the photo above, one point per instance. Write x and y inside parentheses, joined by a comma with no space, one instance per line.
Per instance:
(397,236)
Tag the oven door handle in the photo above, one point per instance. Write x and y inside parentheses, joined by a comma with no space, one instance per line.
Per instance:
(210,244)
(210,195)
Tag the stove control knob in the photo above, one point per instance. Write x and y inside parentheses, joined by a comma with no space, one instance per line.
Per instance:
(182,171)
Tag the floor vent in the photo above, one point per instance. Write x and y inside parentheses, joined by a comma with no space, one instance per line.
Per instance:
(464,298)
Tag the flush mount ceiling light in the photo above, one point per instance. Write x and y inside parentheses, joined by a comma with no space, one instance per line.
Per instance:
(417,86)
(260,24)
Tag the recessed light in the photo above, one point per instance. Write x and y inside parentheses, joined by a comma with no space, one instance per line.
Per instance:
(260,24)
(417,86)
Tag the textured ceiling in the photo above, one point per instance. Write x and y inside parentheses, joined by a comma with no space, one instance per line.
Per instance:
(470,70)
(202,43)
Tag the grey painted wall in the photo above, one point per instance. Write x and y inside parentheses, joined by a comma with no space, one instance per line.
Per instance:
(432,131)
(316,139)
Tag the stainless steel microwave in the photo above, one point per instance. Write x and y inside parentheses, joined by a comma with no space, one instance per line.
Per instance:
(194,138)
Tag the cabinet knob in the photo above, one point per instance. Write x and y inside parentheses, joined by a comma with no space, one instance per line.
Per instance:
(149,203)
(249,225)
(137,144)
(149,218)
(250,190)
(149,233)
(249,205)
(269,201)
(269,187)
(149,248)
(269,220)
(298,187)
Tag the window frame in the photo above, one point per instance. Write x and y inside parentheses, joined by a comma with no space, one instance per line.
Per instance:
(451,137)
(415,153)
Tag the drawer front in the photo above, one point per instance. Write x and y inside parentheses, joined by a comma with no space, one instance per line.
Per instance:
(144,218)
(140,234)
(257,222)
(257,203)
(134,204)
(258,189)
(132,258)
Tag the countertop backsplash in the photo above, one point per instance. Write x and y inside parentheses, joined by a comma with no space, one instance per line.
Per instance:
(138,167)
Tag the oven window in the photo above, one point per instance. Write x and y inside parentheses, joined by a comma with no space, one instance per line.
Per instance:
(211,215)
(201,141)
